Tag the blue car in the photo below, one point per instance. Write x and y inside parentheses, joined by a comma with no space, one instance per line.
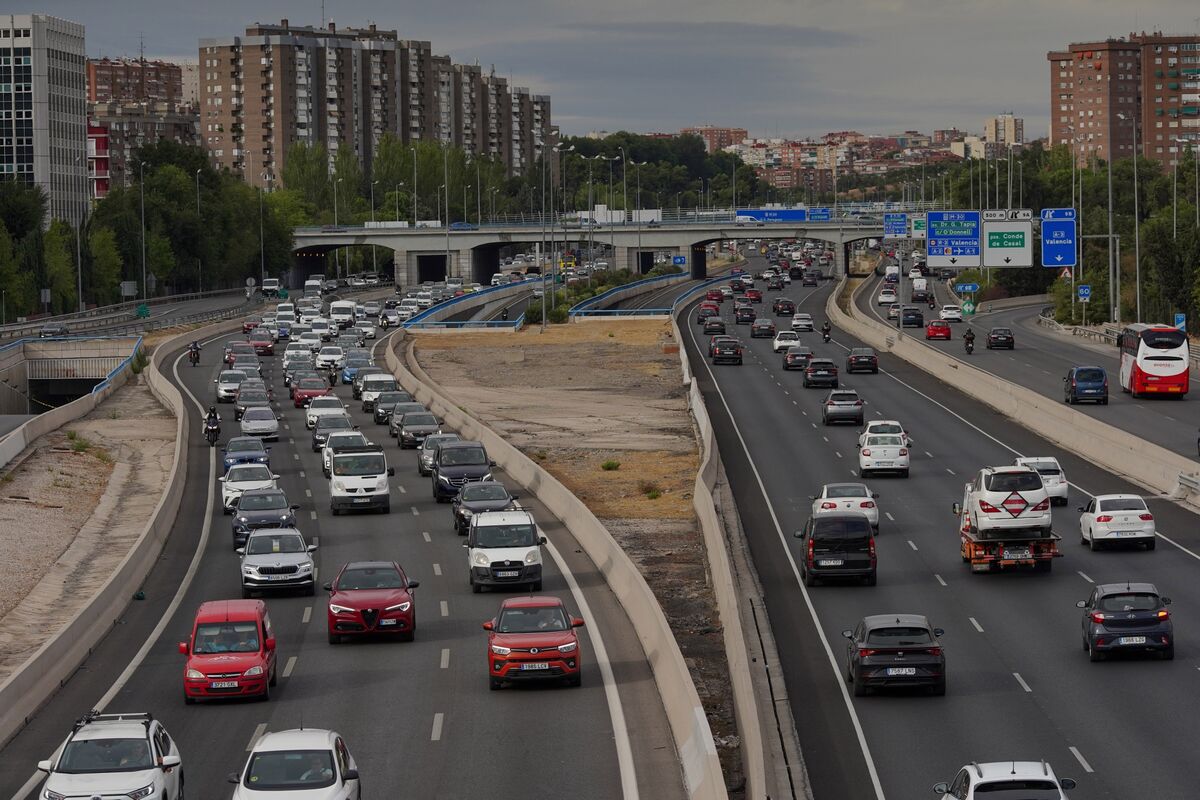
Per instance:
(1086,383)
(285,329)
(350,371)
(463,226)
(245,450)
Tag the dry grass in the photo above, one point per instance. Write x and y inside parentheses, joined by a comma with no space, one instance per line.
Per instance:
(635,333)
(620,493)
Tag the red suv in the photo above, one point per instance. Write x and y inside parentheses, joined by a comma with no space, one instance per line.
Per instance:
(371,597)
(532,638)
(231,652)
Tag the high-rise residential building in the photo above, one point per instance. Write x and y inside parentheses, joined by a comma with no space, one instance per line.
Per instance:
(43,91)
(1004,129)
(1170,96)
(496,127)
(189,82)
(416,81)
(136,80)
(716,139)
(466,106)
(123,128)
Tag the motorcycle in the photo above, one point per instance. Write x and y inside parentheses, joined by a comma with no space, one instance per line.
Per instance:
(212,432)
(932,305)
(194,357)
(825,337)
(504,315)
(970,345)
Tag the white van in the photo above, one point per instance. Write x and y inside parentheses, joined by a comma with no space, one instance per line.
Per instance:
(424,299)
(372,385)
(313,287)
(504,548)
(359,479)
(270,287)
(341,313)
(285,308)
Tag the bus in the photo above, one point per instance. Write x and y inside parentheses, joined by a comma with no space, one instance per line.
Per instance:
(1154,360)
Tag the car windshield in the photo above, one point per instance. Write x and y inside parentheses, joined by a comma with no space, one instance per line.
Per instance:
(325,402)
(1089,375)
(1001,332)
(846,490)
(232,376)
(820,363)
(359,464)
(266,544)
(463,457)
(899,636)
(1014,482)
(1128,601)
(431,442)
(226,637)
(258,415)
(391,398)
(334,422)
(354,439)
(532,620)
(370,578)
(248,472)
(379,384)
(357,362)
(252,396)
(331,351)
(484,491)
(1123,504)
(1019,790)
(419,419)
(280,770)
(262,502)
(788,336)
(1044,467)
(524,535)
(884,441)
(312,383)
(83,756)
(843,397)
(860,351)
(243,446)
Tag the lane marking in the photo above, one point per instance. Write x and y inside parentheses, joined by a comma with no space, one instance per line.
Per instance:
(301,473)
(436,734)
(425,536)
(939,579)
(416,513)
(291,665)
(437,569)
(259,730)
(1079,757)
(295,456)
(445,608)
(888,514)
(836,453)
(979,628)
(312,514)
(949,470)
(1084,575)
(307,618)
(402,489)
(912,544)
(445,658)
(1021,681)
(929,454)
(308,492)
(826,438)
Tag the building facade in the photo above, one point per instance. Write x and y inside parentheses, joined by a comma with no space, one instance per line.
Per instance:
(1004,129)
(117,130)
(716,139)
(125,80)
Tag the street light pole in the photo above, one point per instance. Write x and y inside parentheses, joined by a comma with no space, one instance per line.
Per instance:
(262,245)
(1114,277)
(337,253)
(624,188)
(374,255)
(79,245)
(413,150)
(638,168)
(398,185)
(200,221)
(142,192)
(1137,232)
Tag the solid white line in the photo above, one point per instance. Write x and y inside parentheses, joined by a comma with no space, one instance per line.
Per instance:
(436,734)
(1082,761)
(1084,575)
(833,661)
(307,618)
(1021,681)
(939,579)
(888,514)
(445,608)
(425,536)
(259,730)
(629,787)
(416,513)
(437,569)
(978,627)
(291,665)
(445,658)
(912,544)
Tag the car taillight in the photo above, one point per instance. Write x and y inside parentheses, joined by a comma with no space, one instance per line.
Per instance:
(1104,518)
(903,451)
(858,402)
(866,451)
(934,651)
(1097,617)
(809,555)
(871,548)
(1146,517)
(1043,506)
(988,508)
(1163,614)
(863,652)
(828,504)
(867,504)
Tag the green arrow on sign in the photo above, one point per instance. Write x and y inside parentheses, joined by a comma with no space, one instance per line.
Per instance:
(1004,239)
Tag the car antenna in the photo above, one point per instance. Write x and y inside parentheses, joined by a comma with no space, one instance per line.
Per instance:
(1045,768)
(301,719)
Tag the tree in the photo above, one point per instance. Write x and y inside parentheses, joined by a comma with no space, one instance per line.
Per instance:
(348,175)
(160,259)
(58,246)
(106,265)
(22,208)
(306,172)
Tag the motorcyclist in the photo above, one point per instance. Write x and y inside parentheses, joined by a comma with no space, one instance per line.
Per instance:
(932,303)
(969,339)
(212,418)
(194,352)
(504,314)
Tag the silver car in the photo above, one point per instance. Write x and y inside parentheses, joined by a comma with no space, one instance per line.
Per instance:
(228,382)
(276,558)
(427,449)
(260,422)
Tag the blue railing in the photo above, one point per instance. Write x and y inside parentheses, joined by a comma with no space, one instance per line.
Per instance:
(584,307)
(442,306)
(481,324)
(683,298)
(137,346)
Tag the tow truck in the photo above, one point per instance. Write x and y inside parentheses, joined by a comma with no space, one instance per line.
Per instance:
(989,547)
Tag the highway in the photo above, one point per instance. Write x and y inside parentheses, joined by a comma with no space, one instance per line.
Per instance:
(1041,360)
(1020,686)
(418,717)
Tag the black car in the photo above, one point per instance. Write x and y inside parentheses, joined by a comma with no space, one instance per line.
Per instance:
(762,329)
(382,413)
(783,307)
(1086,383)
(413,427)
(911,317)
(398,410)
(727,350)
(797,357)
(1127,618)
(862,359)
(744,315)
(478,497)
(457,464)
(998,338)
(811,278)
(821,372)
(838,546)
(895,650)
(261,508)
(327,423)
(714,325)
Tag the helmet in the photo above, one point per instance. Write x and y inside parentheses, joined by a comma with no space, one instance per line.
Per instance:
(212,409)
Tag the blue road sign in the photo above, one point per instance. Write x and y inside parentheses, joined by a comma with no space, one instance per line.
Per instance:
(1058,237)
(679,261)
(1181,322)
(820,215)
(774,214)
(952,239)
(966,287)
(895,226)
(1084,291)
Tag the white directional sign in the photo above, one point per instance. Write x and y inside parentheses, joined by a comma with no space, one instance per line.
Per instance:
(1008,238)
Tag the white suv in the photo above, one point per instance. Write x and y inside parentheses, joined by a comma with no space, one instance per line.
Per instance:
(1020,778)
(1053,477)
(504,548)
(117,755)
(306,764)
(1007,500)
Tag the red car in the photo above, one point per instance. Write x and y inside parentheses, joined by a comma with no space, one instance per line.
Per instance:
(231,652)
(235,349)
(937,329)
(754,295)
(250,324)
(308,388)
(371,597)
(714,295)
(533,638)
(263,344)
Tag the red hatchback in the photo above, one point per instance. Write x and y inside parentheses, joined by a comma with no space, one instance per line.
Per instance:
(250,323)
(371,597)
(754,295)
(308,388)
(937,329)
(533,638)
(231,652)
(714,295)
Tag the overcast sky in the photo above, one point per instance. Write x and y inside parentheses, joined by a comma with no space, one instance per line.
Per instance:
(776,67)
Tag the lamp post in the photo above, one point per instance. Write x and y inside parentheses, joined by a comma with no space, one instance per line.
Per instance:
(638,169)
(374,256)
(398,185)
(446,225)
(492,200)
(79,244)
(413,150)
(200,229)
(624,188)
(337,253)
(142,192)
(1137,230)
(262,244)
(611,233)
(1114,278)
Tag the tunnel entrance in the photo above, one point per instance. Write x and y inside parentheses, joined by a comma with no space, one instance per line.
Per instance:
(431,268)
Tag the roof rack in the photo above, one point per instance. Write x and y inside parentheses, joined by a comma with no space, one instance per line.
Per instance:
(144,717)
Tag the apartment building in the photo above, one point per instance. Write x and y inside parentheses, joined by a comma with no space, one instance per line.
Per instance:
(125,80)
(1004,129)
(716,139)
(1170,96)
(117,129)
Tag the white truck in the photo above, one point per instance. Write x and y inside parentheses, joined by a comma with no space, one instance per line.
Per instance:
(359,479)
(341,313)
(504,548)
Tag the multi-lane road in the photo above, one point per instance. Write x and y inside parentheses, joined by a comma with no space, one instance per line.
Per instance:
(1020,685)
(418,717)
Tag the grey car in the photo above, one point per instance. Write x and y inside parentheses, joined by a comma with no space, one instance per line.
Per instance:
(475,498)
(415,426)
(261,508)
(248,398)
(327,423)
(842,405)
(261,423)
(227,384)
(275,559)
(397,412)
(428,450)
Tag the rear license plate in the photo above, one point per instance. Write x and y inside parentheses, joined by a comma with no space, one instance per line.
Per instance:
(223,685)
(830,562)
(384,622)
(1013,555)
(883,463)
(820,373)
(901,671)
(362,499)
(1126,533)
(536,665)
(507,573)
(1131,640)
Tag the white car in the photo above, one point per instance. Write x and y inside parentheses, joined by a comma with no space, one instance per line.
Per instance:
(914,273)
(1004,500)
(320,406)
(985,780)
(340,439)
(312,339)
(1053,477)
(802,322)
(836,498)
(242,478)
(1116,518)
(894,311)
(330,357)
(883,453)
(121,755)
(260,422)
(886,297)
(951,314)
(365,329)
(783,340)
(306,764)
(727,292)
(883,426)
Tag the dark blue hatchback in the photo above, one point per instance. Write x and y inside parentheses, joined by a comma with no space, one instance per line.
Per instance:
(1086,383)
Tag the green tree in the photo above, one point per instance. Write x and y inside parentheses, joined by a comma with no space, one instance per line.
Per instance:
(160,259)
(306,171)
(58,247)
(22,208)
(106,265)
(349,178)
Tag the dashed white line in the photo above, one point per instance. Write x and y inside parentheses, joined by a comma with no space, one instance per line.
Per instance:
(312,515)
(286,427)
(888,514)
(308,492)
(826,438)
(295,456)
(416,513)
(301,473)
(445,658)
(805,413)
(814,426)
(949,470)
(1021,681)
(1082,761)
(929,454)
(939,579)
(425,536)
(1084,575)
(445,608)
(836,453)
(402,489)
(437,569)
(259,730)
(307,618)
(912,544)
(291,665)
(436,734)
(978,627)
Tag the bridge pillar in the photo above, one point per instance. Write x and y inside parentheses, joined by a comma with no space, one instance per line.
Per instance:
(623,258)
(403,269)
(841,258)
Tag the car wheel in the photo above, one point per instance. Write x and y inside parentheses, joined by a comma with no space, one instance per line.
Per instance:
(1104,401)
(1093,544)
(1094,654)
(1082,538)
(493,683)
(939,688)
(334,509)
(860,689)
(1150,544)
(475,587)
(335,639)
(810,579)
(266,693)
(835,384)
(1085,644)
(386,508)
(871,579)
(903,473)
(188,699)
(1168,654)
(274,679)
(862,473)
(246,593)
(575,680)
(311,591)
(408,637)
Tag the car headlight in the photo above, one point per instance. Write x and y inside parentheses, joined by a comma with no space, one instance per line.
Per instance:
(466,512)
(247,519)
(138,794)
(487,477)
(253,671)
(405,606)
(443,479)
(248,570)
(500,651)
(336,609)
(338,486)
(569,647)
(381,485)
(52,795)
(305,567)
(533,557)
(480,559)
(195,675)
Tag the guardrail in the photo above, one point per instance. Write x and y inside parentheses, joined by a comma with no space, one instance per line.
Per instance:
(584,308)
(467,324)
(422,320)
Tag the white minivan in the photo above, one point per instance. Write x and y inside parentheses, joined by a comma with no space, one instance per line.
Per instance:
(372,385)
(358,478)
(504,548)
(341,313)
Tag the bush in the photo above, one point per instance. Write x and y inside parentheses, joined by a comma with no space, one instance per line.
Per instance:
(558,314)
(648,488)
(653,494)
(609,466)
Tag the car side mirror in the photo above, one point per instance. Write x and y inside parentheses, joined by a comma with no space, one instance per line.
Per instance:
(799,534)
(183,648)
(413,584)
(328,586)
(941,788)
(874,495)
(170,761)
(541,540)
(956,509)
(215,380)
(294,507)
(576,622)
(1081,604)
(1067,784)
(233,778)
(488,626)
(241,551)
(274,477)
(1166,601)
(1081,508)
(350,775)
(221,479)
(270,643)
(312,548)
(848,634)
(44,766)
(939,632)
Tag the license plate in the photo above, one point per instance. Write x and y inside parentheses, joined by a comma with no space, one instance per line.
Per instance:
(385,622)
(278,577)
(227,684)
(1013,555)
(536,665)
(1127,533)
(830,562)
(883,463)
(820,373)
(894,671)
(507,573)
(1131,640)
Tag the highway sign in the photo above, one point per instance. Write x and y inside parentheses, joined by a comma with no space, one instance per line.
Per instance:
(774,214)
(679,261)
(966,287)
(1058,237)
(968,307)
(819,215)
(1181,321)
(917,227)
(1066,275)
(994,215)
(895,226)
(1008,243)
(953,239)
(1084,291)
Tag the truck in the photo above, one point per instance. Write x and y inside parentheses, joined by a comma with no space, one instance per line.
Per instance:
(920,290)
(891,273)
(1004,521)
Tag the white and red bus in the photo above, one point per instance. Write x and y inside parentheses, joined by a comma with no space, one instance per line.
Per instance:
(1154,360)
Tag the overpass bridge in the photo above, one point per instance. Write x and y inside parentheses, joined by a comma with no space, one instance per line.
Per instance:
(429,253)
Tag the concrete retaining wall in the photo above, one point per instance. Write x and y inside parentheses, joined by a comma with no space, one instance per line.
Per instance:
(615,295)
(442,311)
(689,726)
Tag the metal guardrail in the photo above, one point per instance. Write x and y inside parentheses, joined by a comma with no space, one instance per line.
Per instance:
(466,324)
(116,310)
(583,308)
(418,320)
(127,363)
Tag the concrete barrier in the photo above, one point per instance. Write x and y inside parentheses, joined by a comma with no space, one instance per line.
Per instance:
(1109,447)
(689,727)
(601,304)
(35,681)
(456,305)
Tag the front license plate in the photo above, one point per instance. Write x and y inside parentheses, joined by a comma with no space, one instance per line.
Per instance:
(278,577)
(1131,640)
(223,685)
(901,671)
(536,665)
(362,499)
(507,573)
(1012,555)
(830,562)
(385,622)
